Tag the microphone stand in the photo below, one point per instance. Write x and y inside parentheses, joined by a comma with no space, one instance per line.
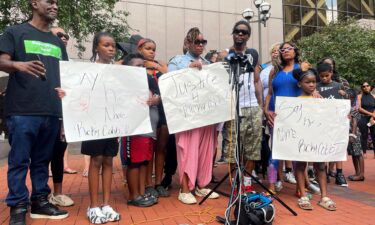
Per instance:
(235,72)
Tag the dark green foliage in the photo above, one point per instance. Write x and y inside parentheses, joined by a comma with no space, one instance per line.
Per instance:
(352,46)
(80,18)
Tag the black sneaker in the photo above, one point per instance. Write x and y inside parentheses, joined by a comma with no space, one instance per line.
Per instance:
(162,191)
(340,180)
(141,201)
(18,215)
(332,174)
(152,191)
(167,181)
(43,209)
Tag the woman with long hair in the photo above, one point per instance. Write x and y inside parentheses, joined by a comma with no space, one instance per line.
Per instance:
(195,148)
(366,103)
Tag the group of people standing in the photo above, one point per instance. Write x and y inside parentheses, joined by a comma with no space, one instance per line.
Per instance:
(30,53)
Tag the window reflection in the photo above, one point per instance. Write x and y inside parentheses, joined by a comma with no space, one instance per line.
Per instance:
(303,17)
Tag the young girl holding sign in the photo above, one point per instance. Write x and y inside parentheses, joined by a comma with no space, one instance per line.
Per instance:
(102,151)
(307,83)
(147,49)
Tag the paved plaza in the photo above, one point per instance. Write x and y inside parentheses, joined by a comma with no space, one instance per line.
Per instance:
(356,204)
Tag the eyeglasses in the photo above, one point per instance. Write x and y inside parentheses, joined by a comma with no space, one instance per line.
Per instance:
(200,42)
(365,86)
(283,50)
(61,35)
(239,31)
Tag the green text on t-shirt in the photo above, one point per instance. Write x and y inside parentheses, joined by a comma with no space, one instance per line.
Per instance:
(46,49)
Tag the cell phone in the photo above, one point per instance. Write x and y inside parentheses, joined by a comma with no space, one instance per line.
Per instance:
(42,77)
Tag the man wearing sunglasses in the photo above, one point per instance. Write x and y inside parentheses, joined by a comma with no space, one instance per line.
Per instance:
(251,102)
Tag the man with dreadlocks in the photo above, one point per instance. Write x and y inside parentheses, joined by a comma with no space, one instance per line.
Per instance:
(30,53)
(195,148)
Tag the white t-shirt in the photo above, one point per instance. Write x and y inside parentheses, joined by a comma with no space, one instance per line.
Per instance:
(264,77)
(247,95)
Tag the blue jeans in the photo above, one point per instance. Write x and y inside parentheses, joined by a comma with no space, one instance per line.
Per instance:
(31,139)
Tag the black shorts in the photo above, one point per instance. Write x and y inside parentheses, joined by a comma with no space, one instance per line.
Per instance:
(103,147)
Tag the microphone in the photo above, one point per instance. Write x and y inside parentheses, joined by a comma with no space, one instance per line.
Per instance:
(249,60)
(231,55)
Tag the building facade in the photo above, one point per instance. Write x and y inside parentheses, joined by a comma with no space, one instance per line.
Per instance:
(167,22)
(304,17)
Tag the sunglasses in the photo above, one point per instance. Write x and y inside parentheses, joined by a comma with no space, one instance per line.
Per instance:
(365,86)
(243,32)
(200,42)
(283,50)
(61,35)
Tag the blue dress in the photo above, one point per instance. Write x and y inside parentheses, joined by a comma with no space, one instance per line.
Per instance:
(284,84)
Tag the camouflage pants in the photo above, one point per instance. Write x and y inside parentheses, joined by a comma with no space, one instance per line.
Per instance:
(251,135)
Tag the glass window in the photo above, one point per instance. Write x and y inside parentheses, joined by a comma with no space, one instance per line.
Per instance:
(291,2)
(370,17)
(368,7)
(354,15)
(307,30)
(341,5)
(342,15)
(308,3)
(309,17)
(292,33)
(327,4)
(292,15)
(324,17)
(354,6)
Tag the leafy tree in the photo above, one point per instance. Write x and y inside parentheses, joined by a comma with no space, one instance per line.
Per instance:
(80,18)
(350,45)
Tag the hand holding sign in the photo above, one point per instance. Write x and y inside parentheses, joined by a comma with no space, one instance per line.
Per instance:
(310,129)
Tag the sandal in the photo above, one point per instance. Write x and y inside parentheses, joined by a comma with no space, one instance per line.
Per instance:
(304,203)
(69,171)
(356,178)
(85,173)
(327,204)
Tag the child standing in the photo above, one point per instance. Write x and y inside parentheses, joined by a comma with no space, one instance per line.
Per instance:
(102,151)
(139,149)
(328,88)
(147,48)
(307,83)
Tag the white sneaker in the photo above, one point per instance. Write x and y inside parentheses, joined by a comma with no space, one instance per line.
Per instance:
(96,216)
(61,200)
(187,198)
(289,177)
(111,214)
(278,185)
(205,191)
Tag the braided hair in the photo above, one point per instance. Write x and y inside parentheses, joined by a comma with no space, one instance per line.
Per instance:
(192,34)
(95,43)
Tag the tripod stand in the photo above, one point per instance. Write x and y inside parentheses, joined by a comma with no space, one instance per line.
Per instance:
(236,66)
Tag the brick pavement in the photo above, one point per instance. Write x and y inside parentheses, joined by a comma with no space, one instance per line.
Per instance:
(356,204)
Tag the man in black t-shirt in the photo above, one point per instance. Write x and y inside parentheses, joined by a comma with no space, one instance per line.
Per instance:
(30,53)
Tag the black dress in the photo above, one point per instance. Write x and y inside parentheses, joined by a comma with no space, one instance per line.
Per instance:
(368,104)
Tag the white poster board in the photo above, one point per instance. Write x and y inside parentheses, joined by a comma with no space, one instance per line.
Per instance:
(311,129)
(195,98)
(103,101)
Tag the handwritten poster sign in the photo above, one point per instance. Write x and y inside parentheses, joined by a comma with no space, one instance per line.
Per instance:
(104,101)
(195,98)
(311,129)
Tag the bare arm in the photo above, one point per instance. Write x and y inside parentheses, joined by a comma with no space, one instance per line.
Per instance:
(362,110)
(258,86)
(34,68)
(269,115)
